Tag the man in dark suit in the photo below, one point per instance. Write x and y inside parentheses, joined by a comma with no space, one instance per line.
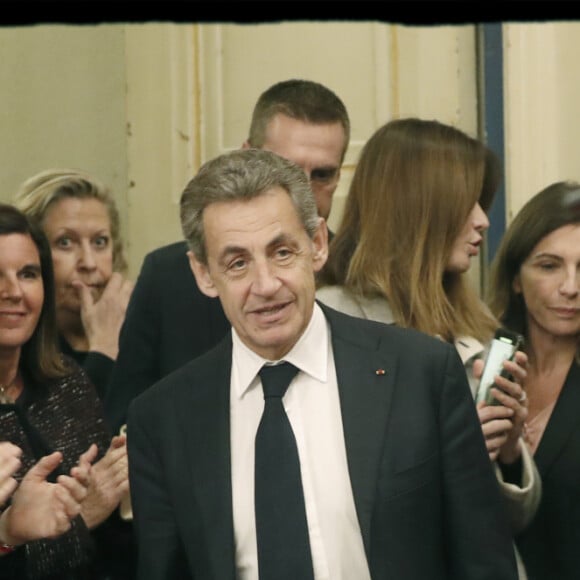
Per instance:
(169,321)
(393,476)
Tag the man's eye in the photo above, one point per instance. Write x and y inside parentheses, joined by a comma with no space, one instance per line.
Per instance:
(323,175)
(236,265)
(284,255)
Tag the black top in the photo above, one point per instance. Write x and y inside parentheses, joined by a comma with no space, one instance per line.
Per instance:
(549,545)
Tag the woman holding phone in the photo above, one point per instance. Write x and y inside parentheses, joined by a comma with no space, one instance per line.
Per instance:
(535,290)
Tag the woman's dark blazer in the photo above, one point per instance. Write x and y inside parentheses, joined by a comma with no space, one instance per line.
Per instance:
(550,546)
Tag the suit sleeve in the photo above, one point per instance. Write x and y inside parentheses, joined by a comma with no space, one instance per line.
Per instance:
(478,535)
(136,366)
(160,554)
(99,367)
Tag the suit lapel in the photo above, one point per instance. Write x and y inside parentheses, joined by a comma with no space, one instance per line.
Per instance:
(366,379)
(562,423)
(205,418)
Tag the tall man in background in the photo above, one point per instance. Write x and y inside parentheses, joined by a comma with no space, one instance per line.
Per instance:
(367,462)
(169,321)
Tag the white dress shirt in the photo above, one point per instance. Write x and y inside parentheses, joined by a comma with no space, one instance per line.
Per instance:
(313,407)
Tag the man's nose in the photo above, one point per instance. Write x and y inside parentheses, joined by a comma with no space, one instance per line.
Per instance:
(265,281)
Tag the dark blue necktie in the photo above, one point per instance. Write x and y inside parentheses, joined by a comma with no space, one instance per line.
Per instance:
(281,528)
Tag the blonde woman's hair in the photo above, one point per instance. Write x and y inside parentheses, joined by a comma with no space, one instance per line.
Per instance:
(40,191)
(414,186)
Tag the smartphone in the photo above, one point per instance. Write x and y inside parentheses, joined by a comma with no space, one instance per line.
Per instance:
(504,345)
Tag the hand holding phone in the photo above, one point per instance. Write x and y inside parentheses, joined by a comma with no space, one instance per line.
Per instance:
(504,345)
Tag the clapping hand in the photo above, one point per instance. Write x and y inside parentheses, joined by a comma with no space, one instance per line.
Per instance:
(109,482)
(9,465)
(41,509)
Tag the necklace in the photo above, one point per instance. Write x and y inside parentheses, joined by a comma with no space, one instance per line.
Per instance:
(5,398)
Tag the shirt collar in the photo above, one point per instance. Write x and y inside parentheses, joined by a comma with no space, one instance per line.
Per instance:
(309,354)
(468,347)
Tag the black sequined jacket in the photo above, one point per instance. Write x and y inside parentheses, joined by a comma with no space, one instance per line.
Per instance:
(64,415)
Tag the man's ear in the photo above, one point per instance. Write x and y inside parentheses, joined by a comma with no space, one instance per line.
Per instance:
(320,245)
(202,276)
(246,145)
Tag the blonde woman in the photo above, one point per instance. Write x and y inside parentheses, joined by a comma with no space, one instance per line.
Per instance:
(414,219)
(80,219)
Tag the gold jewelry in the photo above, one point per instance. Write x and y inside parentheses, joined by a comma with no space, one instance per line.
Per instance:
(5,398)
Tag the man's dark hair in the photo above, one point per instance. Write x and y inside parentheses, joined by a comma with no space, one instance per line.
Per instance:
(303,100)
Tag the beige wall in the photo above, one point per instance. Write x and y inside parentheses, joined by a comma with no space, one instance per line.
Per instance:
(542,97)
(375,68)
(62,96)
(141,106)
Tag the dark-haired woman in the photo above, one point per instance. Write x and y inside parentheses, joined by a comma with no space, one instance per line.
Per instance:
(535,290)
(48,405)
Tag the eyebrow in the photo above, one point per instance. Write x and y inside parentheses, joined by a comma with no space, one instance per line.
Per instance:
(230,251)
(325,168)
(31,268)
(540,255)
(73,230)
(283,238)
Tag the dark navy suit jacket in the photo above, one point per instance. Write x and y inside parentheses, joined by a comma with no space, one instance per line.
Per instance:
(425,493)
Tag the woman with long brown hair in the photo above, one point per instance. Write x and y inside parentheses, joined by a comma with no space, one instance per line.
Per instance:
(414,219)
